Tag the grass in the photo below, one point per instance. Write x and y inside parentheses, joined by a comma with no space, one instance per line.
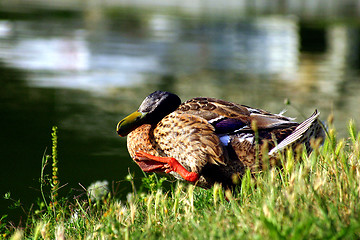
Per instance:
(314,197)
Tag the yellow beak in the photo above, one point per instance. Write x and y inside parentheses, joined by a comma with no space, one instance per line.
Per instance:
(129,123)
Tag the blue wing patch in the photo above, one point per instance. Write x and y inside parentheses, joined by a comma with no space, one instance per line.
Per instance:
(228,125)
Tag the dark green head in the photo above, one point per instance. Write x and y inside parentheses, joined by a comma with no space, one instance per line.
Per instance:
(154,108)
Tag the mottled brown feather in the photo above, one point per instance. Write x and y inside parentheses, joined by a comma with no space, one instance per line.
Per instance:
(140,139)
(210,108)
(195,143)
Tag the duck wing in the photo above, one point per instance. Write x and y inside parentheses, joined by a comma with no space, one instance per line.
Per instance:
(189,139)
(230,118)
(214,110)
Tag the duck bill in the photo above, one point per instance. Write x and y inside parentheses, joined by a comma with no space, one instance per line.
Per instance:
(129,123)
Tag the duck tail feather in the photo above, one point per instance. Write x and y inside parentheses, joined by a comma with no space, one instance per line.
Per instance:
(299,132)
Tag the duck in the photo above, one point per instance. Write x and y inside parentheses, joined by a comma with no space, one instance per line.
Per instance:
(206,140)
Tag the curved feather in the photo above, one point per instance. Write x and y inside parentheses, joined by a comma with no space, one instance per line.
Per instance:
(298,133)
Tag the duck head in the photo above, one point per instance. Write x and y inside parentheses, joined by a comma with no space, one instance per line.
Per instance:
(154,108)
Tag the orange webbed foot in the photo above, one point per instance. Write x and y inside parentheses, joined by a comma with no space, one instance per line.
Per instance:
(169,165)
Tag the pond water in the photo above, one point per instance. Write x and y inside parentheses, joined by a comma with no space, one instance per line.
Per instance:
(84,71)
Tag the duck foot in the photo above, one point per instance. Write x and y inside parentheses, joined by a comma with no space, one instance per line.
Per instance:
(170,165)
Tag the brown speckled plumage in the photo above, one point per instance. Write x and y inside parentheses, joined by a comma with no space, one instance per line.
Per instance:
(199,135)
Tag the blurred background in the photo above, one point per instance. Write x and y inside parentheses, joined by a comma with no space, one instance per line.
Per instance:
(84,65)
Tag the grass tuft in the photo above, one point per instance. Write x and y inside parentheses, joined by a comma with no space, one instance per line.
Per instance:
(312,197)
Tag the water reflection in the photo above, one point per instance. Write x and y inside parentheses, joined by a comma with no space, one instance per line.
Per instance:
(262,46)
(86,72)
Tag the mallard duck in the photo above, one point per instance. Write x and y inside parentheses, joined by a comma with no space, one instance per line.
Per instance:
(208,140)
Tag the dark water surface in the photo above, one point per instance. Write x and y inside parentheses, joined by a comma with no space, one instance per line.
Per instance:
(84,71)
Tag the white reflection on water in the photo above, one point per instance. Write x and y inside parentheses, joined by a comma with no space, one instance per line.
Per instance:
(267,46)
(5,28)
(163,27)
(70,59)
(52,54)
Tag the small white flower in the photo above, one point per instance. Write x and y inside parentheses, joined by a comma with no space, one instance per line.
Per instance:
(129,197)
(74,216)
(98,190)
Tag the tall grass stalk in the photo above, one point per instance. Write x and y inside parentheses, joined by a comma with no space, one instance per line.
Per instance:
(44,162)
(55,179)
